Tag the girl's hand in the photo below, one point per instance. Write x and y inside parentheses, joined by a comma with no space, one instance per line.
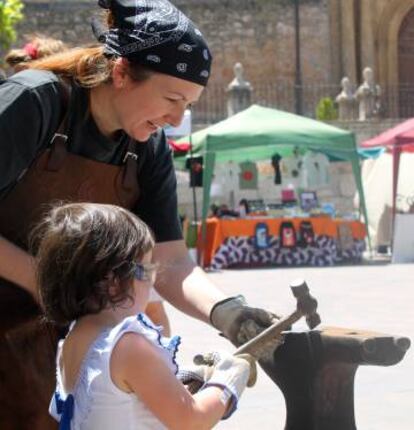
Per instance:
(194,377)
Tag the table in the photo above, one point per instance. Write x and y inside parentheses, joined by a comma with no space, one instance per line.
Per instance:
(282,241)
(403,239)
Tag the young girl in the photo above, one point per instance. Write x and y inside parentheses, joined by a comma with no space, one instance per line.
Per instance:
(114,370)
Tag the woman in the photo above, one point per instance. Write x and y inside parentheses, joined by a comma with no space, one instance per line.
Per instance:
(40,46)
(85,125)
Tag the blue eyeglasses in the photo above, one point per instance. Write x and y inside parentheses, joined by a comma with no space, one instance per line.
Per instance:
(145,272)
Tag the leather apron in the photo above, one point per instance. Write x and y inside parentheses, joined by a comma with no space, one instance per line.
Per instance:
(28,344)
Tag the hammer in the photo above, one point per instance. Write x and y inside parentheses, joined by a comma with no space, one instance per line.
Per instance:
(305,306)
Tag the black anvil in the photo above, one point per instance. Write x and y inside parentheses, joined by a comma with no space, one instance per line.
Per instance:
(315,370)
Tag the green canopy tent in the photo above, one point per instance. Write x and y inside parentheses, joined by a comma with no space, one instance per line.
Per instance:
(258,132)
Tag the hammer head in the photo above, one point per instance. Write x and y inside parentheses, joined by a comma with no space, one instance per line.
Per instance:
(306,304)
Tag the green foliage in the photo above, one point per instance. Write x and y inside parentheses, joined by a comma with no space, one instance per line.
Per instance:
(325,110)
(10,15)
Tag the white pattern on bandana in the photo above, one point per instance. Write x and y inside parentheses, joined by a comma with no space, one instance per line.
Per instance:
(155,33)
(182,67)
(185,47)
(154,58)
(146,30)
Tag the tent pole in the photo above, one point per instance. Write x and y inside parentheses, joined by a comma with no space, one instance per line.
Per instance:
(191,173)
(396,156)
(357,174)
(207,177)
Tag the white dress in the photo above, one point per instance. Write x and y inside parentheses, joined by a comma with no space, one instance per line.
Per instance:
(96,402)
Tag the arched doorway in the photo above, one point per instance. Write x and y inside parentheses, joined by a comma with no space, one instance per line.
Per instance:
(406,65)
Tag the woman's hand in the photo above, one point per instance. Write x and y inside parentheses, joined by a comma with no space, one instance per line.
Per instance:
(238,321)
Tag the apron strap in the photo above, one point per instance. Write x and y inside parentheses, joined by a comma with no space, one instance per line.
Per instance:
(133,159)
(58,149)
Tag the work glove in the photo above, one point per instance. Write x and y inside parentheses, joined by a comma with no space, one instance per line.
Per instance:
(240,322)
(232,374)
(194,377)
(212,358)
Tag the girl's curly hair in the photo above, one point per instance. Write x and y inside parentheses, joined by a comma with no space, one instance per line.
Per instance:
(86,255)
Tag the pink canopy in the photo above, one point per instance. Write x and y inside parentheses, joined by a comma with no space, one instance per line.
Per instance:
(400,135)
(397,139)
(179,146)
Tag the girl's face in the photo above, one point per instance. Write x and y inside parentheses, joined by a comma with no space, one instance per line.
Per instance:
(142,287)
(143,107)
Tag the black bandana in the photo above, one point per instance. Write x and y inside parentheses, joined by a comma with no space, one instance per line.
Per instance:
(156,34)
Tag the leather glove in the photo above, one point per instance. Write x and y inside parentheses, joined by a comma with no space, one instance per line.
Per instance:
(231,373)
(240,322)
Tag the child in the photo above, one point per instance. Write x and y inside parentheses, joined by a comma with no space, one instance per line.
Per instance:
(114,370)
(38,46)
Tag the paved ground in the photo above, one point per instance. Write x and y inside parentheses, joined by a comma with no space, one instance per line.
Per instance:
(375,297)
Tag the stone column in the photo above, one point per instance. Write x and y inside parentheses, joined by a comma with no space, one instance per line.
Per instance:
(367,32)
(348,40)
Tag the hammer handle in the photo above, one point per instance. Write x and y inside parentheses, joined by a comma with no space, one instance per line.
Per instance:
(269,333)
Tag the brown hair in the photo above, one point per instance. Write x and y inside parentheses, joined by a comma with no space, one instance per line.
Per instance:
(40,47)
(86,256)
(89,66)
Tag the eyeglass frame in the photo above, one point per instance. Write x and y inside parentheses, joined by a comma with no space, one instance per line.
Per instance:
(145,272)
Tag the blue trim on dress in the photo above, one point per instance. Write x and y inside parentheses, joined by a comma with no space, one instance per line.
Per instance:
(65,409)
(171,344)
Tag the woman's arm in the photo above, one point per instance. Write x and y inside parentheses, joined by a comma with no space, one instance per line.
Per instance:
(17,266)
(136,366)
(187,287)
(182,282)
(29,115)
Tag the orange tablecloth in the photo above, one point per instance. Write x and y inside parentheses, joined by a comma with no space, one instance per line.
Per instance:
(220,229)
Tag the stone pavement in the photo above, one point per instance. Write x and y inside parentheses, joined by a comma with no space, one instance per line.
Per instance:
(377,297)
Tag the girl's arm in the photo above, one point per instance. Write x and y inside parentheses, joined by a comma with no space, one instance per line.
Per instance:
(136,366)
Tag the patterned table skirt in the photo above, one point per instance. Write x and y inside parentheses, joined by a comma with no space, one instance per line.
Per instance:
(325,251)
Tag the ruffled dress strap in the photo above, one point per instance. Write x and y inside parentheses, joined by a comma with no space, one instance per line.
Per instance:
(143,325)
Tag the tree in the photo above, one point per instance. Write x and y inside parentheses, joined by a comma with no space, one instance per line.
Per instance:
(325,110)
(10,15)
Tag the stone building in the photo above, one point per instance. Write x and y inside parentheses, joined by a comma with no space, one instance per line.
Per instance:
(337,38)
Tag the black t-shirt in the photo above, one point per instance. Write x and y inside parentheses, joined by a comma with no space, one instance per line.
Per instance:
(31,110)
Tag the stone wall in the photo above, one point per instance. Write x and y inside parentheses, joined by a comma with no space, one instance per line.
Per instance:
(258,33)
(66,20)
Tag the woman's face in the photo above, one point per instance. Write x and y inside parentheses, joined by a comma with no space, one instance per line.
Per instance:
(142,107)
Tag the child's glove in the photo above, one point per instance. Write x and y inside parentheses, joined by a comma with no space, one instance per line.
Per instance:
(231,373)
(238,321)
(194,377)
(212,358)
